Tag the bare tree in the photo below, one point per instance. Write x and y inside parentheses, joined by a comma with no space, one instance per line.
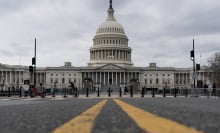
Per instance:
(214,63)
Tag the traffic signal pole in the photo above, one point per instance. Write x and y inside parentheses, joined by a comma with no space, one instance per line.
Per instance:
(194,69)
(35,47)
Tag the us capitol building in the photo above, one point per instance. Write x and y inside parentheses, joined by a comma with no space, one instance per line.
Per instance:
(110,65)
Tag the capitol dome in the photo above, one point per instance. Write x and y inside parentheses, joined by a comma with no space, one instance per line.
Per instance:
(110,25)
(110,44)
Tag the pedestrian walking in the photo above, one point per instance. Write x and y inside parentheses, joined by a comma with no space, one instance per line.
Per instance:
(41,90)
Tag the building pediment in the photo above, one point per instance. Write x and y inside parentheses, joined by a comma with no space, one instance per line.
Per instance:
(110,67)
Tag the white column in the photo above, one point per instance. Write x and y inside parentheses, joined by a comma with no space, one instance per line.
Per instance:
(95,77)
(124,78)
(112,78)
(10,78)
(16,77)
(6,77)
(100,78)
(44,78)
(120,77)
(108,78)
(116,78)
(104,78)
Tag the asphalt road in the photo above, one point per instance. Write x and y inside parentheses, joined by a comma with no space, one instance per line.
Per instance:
(44,115)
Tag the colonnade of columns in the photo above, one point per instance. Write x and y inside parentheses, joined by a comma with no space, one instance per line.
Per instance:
(110,54)
(11,77)
(116,78)
(204,76)
(18,77)
(182,78)
(40,77)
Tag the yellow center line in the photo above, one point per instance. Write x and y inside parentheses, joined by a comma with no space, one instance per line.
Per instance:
(82,123)
(152,123)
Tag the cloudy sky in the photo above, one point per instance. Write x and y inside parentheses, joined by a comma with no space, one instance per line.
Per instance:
(159,31)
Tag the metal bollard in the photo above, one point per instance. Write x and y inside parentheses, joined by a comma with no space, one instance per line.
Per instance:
(98,95)
(20,92)
(9,92)
(64,92)
(175,91)
(153,93)
(54,91)
(120,92)
(186,92)
(109,92)
(142,92)
(164,92)
(87,92)
(131,91)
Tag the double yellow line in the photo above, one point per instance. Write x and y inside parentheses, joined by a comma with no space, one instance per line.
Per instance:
(146,121)
(82,123)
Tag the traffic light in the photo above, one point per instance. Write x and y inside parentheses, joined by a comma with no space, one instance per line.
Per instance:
(30,68)
(197,67)
(192,54)
(33,61)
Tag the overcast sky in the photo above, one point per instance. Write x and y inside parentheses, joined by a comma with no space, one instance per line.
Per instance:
(159,31)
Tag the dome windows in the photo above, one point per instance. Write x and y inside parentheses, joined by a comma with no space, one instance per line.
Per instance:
(110,41)
(110,29)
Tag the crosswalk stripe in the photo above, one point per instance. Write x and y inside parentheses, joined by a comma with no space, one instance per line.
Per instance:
(82,123)
(152,123)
